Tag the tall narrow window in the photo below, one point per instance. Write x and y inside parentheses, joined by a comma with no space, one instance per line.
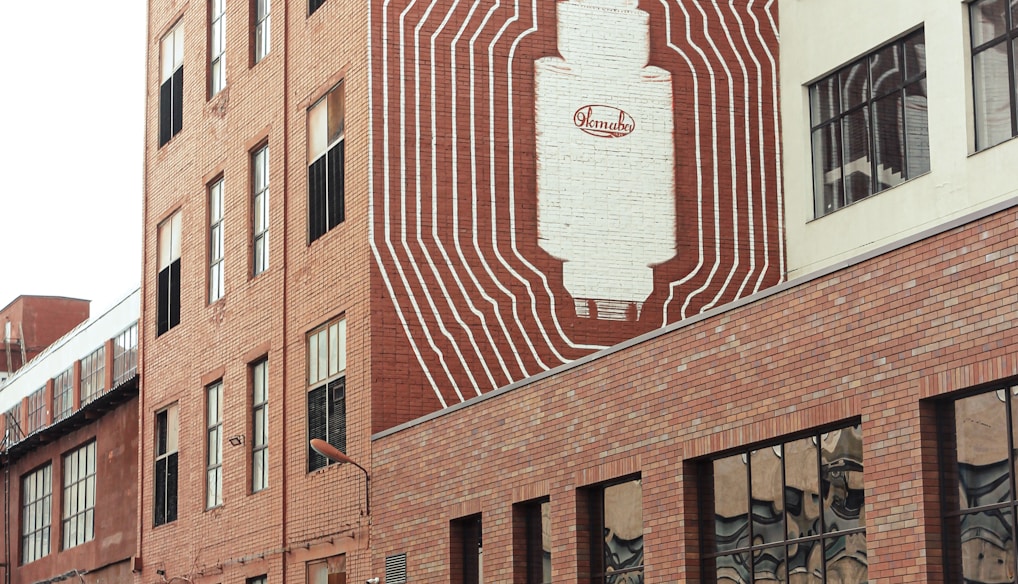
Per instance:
(36,513)
(217,46)
(166,466)
(260,426)
(314,5)
(79,496)
(465,550)
(171,90)
(262,29)
(869,124)
(326,198)
(216,240)
(125,355)
(532,541)
(260,184)
(214,445)
(63,394)
(36,410)
(994,35)
(168,292)
(327,394)
(789,512)
(93,377)
(616,517)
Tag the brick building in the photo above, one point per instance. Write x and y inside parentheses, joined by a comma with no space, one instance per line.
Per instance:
(552,275)
(69,455)
(32,323)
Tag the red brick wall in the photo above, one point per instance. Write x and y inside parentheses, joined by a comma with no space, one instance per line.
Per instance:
(868,342)
(43,319)
(116,438)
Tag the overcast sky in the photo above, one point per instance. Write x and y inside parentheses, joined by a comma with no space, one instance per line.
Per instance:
(71,138)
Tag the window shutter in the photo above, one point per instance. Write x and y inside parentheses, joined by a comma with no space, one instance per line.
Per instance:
(163,301)
(318,425)
(178,101)
(337,203)
(316,198)
(337,413)
(165,109)
(174,294)
(171,487)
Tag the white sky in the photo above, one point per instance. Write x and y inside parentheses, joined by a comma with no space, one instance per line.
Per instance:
(72,103)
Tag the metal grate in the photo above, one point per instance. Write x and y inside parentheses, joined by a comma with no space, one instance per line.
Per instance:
(395,569)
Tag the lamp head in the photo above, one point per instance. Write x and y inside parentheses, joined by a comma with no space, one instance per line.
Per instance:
(329,451)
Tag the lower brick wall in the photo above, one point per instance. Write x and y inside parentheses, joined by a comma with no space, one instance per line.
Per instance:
(866,343)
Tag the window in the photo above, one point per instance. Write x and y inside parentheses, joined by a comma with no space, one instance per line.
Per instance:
(263,579)
(789,512)
(125,355)
(63,394)
(466,550)
(171,90)
(216,274)
(166,466)
(36,410)
(36,497)
(977,436)
(615,516)
(327,397)
(314,5)
(326,206)
(328,571)
(79,496)
(262,29)
(260,183)
(217,46)
(260,426)
(169,274)
(532,541)
(93,375)
(994,33)
(214,445)
(868,123)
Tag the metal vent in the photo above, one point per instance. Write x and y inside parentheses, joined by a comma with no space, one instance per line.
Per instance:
(395,569)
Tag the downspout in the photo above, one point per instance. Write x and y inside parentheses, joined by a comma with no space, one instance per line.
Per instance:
(7,517)
(286,239)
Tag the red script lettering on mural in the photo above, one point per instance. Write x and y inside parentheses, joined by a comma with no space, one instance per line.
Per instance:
(604,121)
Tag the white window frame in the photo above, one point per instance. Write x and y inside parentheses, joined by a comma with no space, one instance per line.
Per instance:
(260,426)
(260,206)
(217,275)
(36,513)
(214,445)
(79,496)
(217,46)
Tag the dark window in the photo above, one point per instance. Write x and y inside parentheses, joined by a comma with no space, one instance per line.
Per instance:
(327,398)
(869,125)
(171,90)
(263,579)
(994,35)
(465,549)
(314,5)
(532,541)
(977,436)
(166,466)
(788,512)
(326,197)
(168,292)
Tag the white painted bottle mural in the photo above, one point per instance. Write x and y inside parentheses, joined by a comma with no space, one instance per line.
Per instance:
(605,157)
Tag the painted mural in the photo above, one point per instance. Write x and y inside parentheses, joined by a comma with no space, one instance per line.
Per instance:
(551,178)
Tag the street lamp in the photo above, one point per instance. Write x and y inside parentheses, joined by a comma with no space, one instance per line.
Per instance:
(334,454)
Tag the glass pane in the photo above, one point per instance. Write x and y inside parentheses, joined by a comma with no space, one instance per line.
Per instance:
(857,170)
(987,547)
(989,20)
(217,39)
(259,216)
(917,135)
(841,479)
(635,577)
(318,130)
(802,488)
(166,57)
(337,113)
(992,96)
(889,140)
(827,181)
(915,55)
(178,48)
(805,562)
(623,527)
(342,345)
(333,349)
(846,559)
(323,353)
(769,564)
(263,9)
(732,569)
(823,100)
(731,504)
(313,359)
(982,451)
(855,84)
(886,68)
(259,427)
(767,499)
